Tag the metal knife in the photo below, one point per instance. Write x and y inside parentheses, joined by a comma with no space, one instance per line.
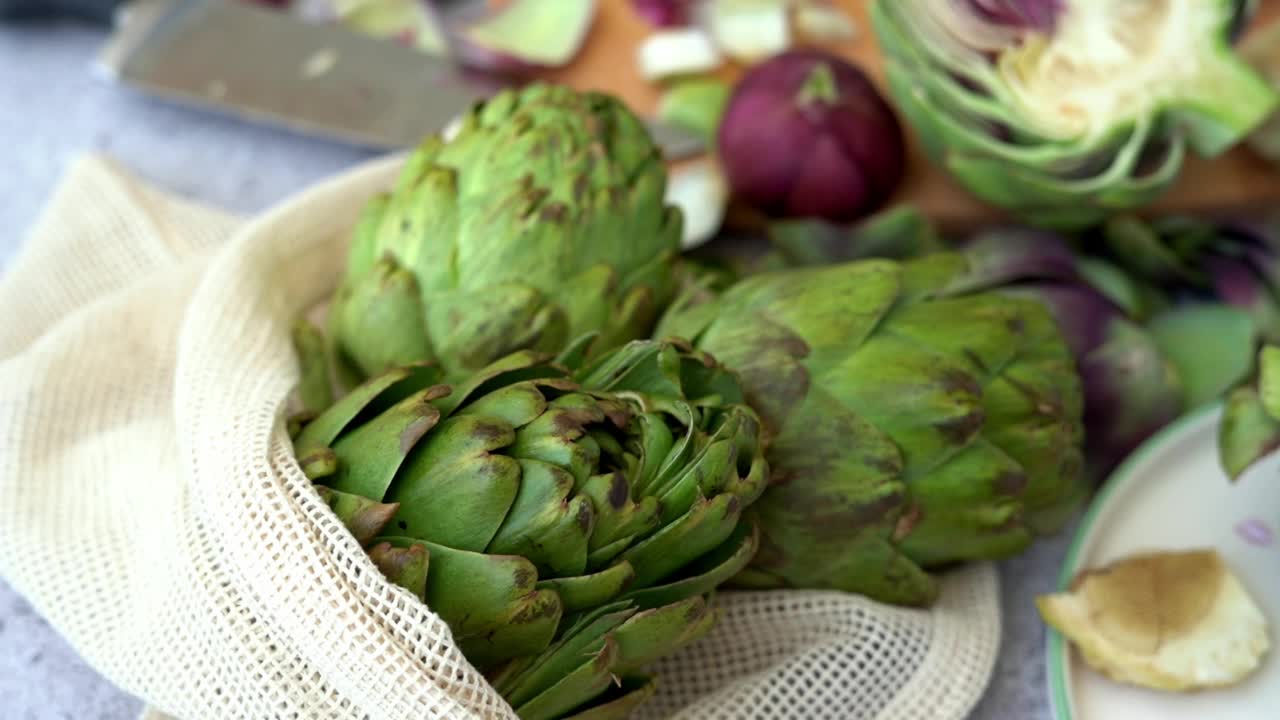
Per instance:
(268,65)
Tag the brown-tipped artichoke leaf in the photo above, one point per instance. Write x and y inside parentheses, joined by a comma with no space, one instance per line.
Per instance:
(371,454)
(707,572)
(366,399)
(576,687)
(583,592)
(544,524)
(707,524)
(363,517)
(618,516)
(378,319)
(968,508)
(583,638)
(405,566)
(489,597)
(620,701)
(527,628)
(455,490)
(927,403)
(650,634)
(318,463)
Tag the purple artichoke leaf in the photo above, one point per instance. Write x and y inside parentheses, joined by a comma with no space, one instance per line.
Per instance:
(1211,345)
(1084,316)
(1266,265)
(1003,255)
(1236,283)
(1130,391)
(1037,15)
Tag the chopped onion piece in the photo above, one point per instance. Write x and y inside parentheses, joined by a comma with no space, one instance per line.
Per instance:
(528,34)
(824,22)
(677,52)
(700,191)
(749,30)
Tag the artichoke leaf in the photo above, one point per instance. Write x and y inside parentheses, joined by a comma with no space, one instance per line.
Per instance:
(584,638)
(575,688)
(363,517)
(544,523)
(706,524)
(455,490)
(405,566)
(583,592)
(490,598)
(631,692)
(371,454)
(379,321)
(707,572)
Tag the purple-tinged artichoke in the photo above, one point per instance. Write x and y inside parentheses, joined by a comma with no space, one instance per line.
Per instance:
(912,423)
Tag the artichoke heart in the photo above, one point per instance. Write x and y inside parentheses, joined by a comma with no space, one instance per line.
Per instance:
(1082,108)
(1176,621)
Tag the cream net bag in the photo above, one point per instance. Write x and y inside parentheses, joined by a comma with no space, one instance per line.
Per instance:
(150,507)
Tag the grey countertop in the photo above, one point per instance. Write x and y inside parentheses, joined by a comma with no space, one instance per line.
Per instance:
(51,110)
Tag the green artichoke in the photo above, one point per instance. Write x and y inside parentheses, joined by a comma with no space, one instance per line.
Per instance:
(1066,110)
(541,221)
(910,424)
(566,518)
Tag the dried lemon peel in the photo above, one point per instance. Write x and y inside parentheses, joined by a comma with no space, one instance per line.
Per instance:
(1176,621)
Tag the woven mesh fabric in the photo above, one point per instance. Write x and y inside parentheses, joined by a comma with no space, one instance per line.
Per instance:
(150,507)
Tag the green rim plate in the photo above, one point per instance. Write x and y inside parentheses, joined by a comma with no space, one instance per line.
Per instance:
(1134,477)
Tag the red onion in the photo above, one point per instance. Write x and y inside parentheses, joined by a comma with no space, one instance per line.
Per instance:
(663,13)
(806,134)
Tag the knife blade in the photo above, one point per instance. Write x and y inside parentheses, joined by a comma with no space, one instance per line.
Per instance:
(313,78)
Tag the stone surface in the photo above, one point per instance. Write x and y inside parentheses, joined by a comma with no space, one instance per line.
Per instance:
(52,108)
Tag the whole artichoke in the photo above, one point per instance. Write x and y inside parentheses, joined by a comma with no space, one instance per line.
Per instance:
(542,220)
(911,424)
(567,523)
(1066,110)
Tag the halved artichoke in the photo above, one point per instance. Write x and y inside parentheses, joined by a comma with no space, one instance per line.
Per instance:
(1065,110)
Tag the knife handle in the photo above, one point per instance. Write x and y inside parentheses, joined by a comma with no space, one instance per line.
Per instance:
(96,11)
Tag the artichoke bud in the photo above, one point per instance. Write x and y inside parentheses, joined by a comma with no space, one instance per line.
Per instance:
(498,226)
(555,502)
(912,424)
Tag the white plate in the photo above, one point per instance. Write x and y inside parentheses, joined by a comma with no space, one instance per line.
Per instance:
(1172,494)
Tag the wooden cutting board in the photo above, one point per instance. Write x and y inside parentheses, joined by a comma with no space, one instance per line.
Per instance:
(1236,180)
